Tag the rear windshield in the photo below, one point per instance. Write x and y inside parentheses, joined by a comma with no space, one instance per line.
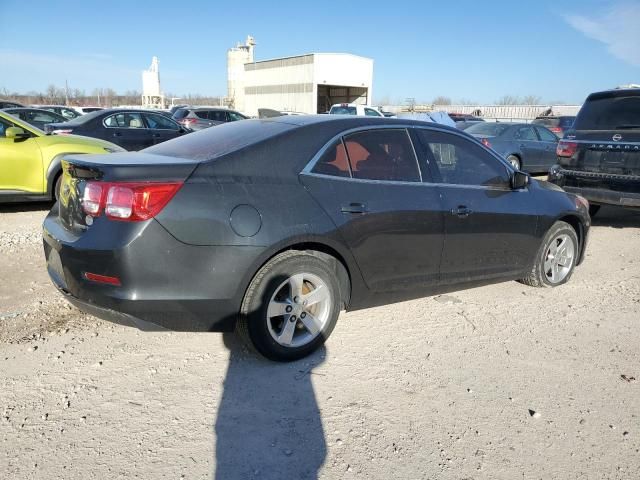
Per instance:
(210,143)
(486,128)
(609,113)
(343,111)
(180,113)
(564,122)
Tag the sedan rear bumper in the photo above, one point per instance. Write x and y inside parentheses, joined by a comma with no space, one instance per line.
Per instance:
(165,284)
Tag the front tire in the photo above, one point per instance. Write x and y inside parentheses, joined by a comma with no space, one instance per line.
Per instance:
(556,258)
(291,306)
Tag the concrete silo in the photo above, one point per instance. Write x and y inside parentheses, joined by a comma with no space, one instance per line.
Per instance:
(237,57)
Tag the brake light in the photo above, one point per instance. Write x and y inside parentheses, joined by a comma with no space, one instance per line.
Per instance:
(131,202)
(566,149)
(187,121)
(486,143)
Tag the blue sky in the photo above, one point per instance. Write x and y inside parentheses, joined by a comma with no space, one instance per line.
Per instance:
(559,50)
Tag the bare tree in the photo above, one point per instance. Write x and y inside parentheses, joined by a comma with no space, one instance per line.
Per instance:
(508,100)
(440,100)
(531,100)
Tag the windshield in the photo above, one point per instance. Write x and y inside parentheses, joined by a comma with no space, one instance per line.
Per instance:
(609,113)
(486,128)
(343,110)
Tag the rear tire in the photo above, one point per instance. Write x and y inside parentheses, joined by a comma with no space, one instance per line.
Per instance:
(593,210)
(291,306)
(556,258)
(514,161)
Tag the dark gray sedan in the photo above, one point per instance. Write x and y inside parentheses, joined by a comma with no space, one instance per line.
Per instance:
(530,148)
(36,116)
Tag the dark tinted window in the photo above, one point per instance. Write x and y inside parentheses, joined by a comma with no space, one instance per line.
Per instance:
(157,121)
(382,155)
(526,133)
(609,113)
(234,116)
(567,122)
(333,161)
(210,143)
(343,111)
(180,113)
(546,135)
(203,114)
(486,128)
(217,116)
(462,162)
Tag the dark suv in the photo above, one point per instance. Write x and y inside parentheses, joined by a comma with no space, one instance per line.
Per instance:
(599,157)
(199,118)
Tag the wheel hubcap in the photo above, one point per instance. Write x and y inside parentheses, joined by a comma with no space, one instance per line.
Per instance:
(559,258)
(299,309)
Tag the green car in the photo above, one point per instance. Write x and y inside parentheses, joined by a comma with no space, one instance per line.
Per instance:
(30,160)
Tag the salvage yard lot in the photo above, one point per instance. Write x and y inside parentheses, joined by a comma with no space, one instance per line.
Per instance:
(504,381)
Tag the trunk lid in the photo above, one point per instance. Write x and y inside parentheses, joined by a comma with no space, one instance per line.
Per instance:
(116,167)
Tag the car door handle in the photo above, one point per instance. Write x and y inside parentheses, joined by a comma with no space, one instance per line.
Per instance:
(117,134)
(354,208)
(461,211)
(155,135)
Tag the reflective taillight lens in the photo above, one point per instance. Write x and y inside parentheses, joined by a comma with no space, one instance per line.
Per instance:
(566,149)
(126,201)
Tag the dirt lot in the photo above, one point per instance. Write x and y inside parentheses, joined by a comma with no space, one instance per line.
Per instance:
(501,382)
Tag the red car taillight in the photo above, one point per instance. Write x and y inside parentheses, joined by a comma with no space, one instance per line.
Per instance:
(555,129)
(187,121)
(130,202)
(486,143)
(566,149)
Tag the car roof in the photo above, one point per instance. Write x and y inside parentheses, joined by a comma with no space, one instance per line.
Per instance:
(618,92)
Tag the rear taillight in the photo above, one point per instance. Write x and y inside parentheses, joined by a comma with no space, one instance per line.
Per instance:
(486,143)
(555,129)
(131,202)
(566,149)
(187,121)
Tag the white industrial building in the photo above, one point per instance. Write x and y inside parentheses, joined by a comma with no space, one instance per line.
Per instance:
(308,83)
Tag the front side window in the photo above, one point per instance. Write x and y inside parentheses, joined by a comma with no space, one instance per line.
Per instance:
(384,154)
(370,112)
(4,124)
(161,122)
(462,162)
(333,161)
(526,133)
(124,120)
(67,113)
(546,135)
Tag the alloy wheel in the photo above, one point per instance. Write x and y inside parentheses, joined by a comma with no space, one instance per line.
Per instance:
(558,260)
(299,310)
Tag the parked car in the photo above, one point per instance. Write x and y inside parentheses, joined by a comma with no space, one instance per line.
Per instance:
(198,118)
(7,104)
(599,156)
(557,125)
(531,148)
(30,160)
(353,109)
(35,116)
(67,112)
(466,124)
(84,110)
(279,224)
(131,129)
(464,117)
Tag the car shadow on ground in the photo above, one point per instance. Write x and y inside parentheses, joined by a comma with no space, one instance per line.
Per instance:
(25,207)
(268,425)
(616,217)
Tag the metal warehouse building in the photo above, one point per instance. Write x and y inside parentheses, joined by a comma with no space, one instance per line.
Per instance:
(308,83)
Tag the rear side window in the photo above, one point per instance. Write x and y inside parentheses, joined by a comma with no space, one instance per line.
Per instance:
(204,114)
(180,113)
(462,162)
(334,161)
(124,120)
(385,154)
(217,116)
(609,113)
(526,133)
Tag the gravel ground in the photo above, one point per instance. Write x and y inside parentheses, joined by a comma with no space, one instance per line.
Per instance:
(499,382)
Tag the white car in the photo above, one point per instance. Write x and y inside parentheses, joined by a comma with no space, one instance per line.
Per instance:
(84,110)
(353,109)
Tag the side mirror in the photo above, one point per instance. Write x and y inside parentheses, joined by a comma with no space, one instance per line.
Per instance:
(519,180)
(15,133)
